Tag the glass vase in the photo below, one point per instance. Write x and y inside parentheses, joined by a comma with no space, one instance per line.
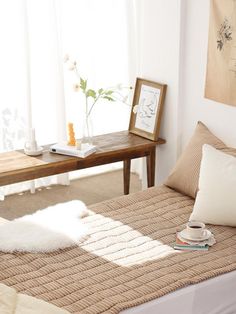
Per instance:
(87,135)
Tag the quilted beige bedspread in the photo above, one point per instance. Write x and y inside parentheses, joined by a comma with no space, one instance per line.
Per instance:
(126,259)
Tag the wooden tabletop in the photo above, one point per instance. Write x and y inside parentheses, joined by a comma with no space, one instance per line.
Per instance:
(15,166)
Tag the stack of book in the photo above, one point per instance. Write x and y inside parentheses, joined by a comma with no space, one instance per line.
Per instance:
(180,244)
(65,149)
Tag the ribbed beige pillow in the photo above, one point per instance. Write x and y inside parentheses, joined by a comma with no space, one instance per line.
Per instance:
(185,175)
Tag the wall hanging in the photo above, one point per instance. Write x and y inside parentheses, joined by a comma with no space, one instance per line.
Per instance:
(221,63)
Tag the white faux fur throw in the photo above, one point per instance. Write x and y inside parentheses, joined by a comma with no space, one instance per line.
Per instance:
(47,230)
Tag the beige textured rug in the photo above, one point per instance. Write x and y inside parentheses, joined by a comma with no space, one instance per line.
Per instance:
(90,190)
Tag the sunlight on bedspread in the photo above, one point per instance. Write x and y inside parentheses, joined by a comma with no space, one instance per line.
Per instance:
(121,244)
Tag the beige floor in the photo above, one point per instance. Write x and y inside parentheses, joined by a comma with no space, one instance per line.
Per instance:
(90,190)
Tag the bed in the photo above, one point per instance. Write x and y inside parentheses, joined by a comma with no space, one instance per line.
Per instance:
(127,262)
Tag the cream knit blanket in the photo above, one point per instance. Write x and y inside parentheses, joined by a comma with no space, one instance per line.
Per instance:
(12,302)
(127,258)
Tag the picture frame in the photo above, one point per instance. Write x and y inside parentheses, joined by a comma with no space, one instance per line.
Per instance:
(147,108)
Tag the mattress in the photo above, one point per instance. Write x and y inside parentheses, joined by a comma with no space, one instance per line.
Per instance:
(126,259)
(212,296)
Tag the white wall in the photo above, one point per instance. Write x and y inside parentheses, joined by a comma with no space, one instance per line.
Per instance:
(159,34)
(220,118)
(173,39)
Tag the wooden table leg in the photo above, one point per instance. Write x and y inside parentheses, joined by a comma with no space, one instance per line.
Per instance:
(126,175)
(151,160)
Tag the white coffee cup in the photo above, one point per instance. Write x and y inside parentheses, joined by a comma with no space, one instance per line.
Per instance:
(31,146)
(195,229)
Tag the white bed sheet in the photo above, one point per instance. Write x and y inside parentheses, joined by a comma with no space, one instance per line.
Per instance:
(213,296)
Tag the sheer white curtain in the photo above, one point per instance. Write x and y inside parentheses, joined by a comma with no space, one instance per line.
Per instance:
(31,77)
(99,34)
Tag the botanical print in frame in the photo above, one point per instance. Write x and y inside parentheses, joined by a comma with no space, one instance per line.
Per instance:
(221,64)
(147,109)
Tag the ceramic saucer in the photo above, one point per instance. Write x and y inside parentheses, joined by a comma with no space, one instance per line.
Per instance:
(37,152)
(205,236)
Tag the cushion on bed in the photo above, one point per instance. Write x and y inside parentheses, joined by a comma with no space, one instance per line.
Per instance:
(185,175)
(216,199)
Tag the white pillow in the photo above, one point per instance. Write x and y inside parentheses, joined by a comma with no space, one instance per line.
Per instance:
(216,199)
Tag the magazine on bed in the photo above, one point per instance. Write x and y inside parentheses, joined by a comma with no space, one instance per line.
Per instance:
(181,245)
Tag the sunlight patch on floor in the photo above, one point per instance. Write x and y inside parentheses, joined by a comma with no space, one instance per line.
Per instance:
(121,244)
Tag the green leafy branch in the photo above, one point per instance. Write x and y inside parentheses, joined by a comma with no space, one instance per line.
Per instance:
(95,95)
(110,94)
